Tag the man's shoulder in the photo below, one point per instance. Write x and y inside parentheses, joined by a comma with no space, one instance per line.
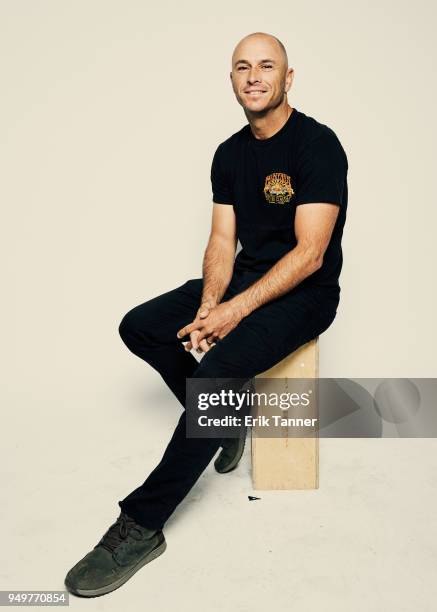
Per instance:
(228,145)
(312,134)
(310,128)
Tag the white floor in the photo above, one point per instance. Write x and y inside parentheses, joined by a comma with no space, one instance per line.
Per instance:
(365,540)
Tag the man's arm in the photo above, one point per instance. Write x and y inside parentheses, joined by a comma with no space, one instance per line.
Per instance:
(314,224)
(218,261)
(313,228)
(218,265)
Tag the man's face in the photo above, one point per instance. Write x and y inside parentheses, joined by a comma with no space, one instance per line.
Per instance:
(259,74)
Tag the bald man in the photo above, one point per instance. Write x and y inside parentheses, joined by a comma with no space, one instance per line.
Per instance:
(279,187)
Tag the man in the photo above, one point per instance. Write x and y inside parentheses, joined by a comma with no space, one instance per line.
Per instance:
(280,187)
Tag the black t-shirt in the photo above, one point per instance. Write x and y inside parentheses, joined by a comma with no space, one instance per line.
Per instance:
(266,179)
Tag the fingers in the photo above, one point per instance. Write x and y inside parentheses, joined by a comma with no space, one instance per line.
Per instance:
(189,329)
(204,311)
(200,342)
(194,339)
(181,333)
(210,342)
(203,335)
(211,337)
(205,308)
(185,331)
(202,330)
(203,346)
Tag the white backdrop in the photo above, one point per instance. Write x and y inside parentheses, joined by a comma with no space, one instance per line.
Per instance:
(111,112)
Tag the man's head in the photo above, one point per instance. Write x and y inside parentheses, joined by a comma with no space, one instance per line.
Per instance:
(260,65)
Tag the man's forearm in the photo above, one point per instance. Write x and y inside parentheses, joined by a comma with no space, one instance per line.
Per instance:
(288,272)
(218,265)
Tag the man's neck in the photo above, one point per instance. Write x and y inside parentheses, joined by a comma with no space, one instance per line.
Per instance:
(267,125)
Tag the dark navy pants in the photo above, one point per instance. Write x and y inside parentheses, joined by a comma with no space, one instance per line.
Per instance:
(259,341)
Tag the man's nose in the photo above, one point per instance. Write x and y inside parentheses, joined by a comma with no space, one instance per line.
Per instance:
(253,76)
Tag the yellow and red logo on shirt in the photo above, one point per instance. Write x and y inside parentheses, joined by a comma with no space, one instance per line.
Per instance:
(277,188)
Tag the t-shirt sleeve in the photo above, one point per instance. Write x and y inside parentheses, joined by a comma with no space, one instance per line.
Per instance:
(220,183)
(321,172)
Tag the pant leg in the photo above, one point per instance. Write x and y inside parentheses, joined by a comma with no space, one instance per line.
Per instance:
(260,341)
(149,331)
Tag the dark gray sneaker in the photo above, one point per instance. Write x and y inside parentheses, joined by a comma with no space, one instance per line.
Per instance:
(231,453)
(122,551)
(233,448)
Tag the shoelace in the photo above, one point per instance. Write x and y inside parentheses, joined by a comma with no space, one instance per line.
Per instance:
(118,532)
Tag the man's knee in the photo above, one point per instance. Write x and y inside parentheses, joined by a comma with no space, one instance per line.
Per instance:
(133,331)
(126,327)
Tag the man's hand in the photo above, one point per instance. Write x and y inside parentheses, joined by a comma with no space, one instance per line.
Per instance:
(205,308)
(220,320)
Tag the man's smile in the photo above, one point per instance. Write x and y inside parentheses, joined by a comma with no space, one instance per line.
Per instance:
(255,92)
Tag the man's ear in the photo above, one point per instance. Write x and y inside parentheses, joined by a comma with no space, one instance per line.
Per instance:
(289,79)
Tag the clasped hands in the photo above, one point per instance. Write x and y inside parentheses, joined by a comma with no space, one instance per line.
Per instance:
(213,322)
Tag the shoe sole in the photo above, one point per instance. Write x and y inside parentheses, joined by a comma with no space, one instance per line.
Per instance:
(236,460)
(156,552)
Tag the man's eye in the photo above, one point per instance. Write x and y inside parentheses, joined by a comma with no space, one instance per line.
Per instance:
(263,65)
